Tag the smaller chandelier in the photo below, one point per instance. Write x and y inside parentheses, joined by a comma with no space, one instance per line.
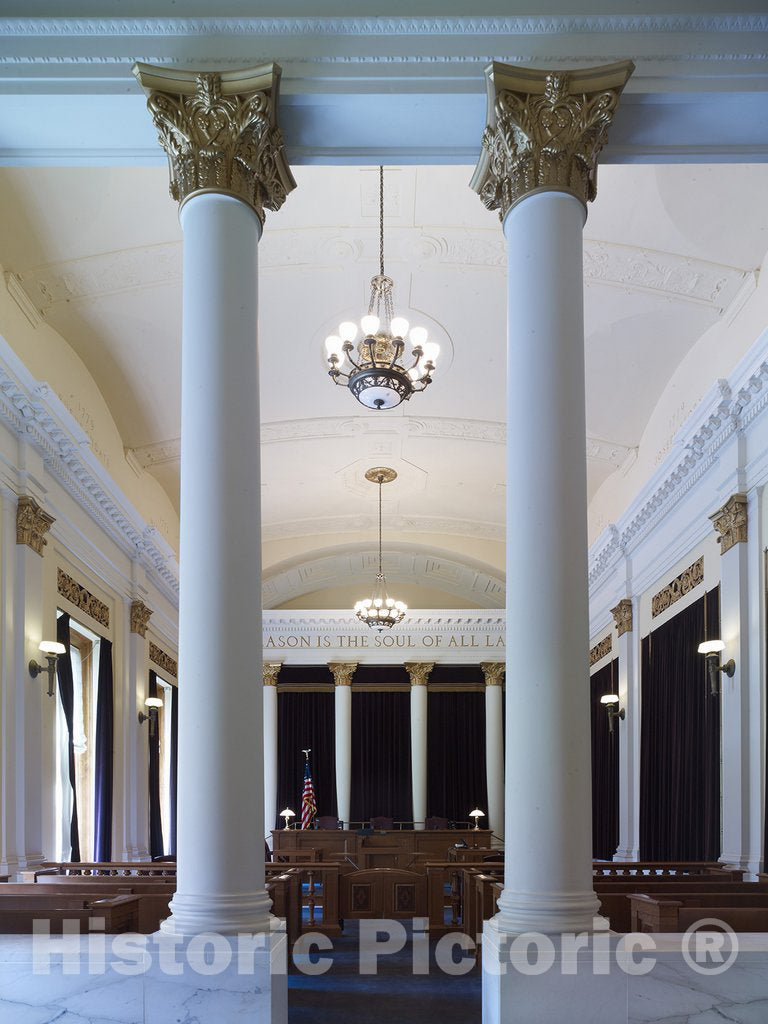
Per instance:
(375,369)
(380,611)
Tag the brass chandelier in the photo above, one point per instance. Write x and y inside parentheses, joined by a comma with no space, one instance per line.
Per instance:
(375,369)
(380,611)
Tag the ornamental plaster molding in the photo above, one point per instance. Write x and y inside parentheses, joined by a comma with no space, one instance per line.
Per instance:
(545,131)
(607,263)
(730,522)
(601,650)
(220,132)
(31,410)
(82,598)
(270,671)
(677,588)
(392,523)
(343,672)
(32,524)
(140,616)
(622,616)
(493,672)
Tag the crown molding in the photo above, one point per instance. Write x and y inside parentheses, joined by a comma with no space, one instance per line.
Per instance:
(32,410)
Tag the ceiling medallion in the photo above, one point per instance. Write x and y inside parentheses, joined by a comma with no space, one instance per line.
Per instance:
(375,369)
(380,611)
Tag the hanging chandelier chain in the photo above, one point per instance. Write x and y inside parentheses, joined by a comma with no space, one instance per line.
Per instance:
(380,572)
(381,220)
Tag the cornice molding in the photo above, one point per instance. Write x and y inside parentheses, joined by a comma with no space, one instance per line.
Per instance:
(31,409)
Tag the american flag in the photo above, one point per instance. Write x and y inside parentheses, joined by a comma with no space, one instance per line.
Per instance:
(308,805)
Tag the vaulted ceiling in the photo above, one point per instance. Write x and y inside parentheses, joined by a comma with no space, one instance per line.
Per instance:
(666,250)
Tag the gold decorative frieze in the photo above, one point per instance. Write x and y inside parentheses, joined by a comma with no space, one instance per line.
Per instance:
(622,616)
(419,671)
(82,598)
(493,672)
(32,524)
(271,670)
(220,132)
(163,660)
(730,521)
(545,130)
(140,616)
(343,671)
(679,587)
(601,649)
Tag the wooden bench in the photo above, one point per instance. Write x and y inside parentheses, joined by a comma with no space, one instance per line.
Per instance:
(614,893)
(18,913)
(153,896)
(676,912)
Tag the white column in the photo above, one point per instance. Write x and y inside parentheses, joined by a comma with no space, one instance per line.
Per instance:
(628,731)
(136,753)
(494,746)
(419,675)
(731,523)
(342,676)
(271,672)
(12,735)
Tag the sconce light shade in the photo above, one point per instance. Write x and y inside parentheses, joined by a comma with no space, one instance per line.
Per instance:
(711,647)
(609,698)
(153,702)
(52,647)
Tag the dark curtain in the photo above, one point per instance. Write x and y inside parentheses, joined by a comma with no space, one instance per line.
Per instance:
(67,695)
(174,793)
(605,766)
(680,739)
(104,755)
(381,755)
(456,776)
(306,720)
(156,848)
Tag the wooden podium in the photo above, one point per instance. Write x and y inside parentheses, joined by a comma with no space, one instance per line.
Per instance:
(390,849)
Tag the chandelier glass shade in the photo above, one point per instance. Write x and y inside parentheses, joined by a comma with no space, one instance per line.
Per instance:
(380,611)
(376,368)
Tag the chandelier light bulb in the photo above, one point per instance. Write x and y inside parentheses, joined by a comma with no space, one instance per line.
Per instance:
(334,346)
(348,331)
(418,336)
(431,352)
(399,327)
(370,325)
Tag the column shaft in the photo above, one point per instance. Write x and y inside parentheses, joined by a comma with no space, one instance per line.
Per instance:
(270,760)
(221,796)
(629,745)
(548,884)
(494,759)
(343,709)
(419,698)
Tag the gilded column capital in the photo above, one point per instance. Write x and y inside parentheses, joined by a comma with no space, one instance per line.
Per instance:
(730,521)
(622,616)
(140,616)
(219,131)
(271,670)
(544,131)
(32,524)
(419,671)
(343,672)
(493,672)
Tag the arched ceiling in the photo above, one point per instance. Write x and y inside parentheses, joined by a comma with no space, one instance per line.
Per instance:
(667,249)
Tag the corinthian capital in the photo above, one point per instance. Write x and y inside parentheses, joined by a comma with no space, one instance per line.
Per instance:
(730,522)
(493,672)
(271,670)
(220,132)
(419,671)
(140,616)
(545,130)
(32,524)
(343,671)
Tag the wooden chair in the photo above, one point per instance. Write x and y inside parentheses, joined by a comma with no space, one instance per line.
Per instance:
(382,823)
(433,824)
(327,822)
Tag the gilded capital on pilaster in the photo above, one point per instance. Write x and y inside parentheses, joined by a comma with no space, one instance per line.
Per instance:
(140,616)
(219,131)
(271,671)
(419,672)
(32,523)
(622,616)
(730,521)
(343,672)
(493,672)
(544,131)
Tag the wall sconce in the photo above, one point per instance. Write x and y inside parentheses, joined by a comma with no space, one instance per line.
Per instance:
(153,703)
(51,649)
(477,814)
(611,701)
(712,649)
(287,814)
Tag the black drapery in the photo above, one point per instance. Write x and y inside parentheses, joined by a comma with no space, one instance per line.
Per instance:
(104,755)
(156,848)
(306,720)
(67,695)
(680,739)
(605,765)
(456,775)
(381,755)
(174,788)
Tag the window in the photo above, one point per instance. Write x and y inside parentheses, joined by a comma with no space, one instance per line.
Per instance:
(84,653)
(164,692)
